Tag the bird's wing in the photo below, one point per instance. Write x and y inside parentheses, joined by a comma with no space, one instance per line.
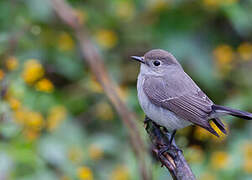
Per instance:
(185,99)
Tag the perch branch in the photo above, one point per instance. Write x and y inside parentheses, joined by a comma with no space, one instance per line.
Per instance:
(95,61)
(173,158)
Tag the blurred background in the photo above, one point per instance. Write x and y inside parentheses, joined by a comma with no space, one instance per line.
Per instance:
(56,121)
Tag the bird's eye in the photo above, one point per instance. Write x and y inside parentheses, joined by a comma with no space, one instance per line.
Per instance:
(156,63)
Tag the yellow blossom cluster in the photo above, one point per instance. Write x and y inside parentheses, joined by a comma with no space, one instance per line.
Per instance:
(214,4)
(64,177)
(85,173)
(226,57)
(95,152)
(75,155)
(11,63)
(159,5)
(220,160)
(194,154)
(1,74)
(82,16)
(56,115)
(14,103)
(245,51)
(32,121)
(125,10)
(93,85)
(247,152)
(106,38)
(104,111)
(207,176)
(201,134)
(123,92)
(44,85)
(33,71)
(33,74)
(65,42)
(121,172)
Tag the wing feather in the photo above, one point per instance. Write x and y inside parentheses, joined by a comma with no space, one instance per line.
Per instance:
(186,100)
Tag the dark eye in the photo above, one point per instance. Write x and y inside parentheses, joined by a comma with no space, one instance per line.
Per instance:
(156,63)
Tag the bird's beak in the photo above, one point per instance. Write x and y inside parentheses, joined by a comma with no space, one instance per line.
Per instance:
(138,58)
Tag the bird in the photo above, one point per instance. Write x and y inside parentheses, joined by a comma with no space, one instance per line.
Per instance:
(170,98)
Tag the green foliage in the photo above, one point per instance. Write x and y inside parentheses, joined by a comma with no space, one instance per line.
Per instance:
(56,122)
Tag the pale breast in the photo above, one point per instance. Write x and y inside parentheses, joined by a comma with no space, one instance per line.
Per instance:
(160,115)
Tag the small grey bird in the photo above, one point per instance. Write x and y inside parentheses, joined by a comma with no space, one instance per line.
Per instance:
(172,99)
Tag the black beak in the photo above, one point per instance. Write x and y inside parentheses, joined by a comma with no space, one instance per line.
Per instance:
(138,58)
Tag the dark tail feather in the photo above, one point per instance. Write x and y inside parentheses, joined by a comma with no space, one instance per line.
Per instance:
(220,125)
(233,112)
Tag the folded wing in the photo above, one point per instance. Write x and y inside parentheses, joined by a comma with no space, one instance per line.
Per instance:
(186,100)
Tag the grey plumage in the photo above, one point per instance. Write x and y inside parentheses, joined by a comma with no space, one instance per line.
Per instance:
(172,99)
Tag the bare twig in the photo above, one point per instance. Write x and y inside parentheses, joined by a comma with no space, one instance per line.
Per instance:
(172,158)
(95,61)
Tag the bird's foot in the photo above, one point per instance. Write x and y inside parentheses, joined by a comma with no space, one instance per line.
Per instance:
(172,145)
(163,150)
(146,120)
(172,136)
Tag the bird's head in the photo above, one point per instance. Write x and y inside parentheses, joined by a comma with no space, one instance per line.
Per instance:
(156,61)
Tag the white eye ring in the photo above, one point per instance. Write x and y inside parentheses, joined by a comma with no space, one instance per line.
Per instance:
(156,63)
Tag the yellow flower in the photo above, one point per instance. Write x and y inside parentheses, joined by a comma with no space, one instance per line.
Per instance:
(44,85)
(195,154)
(20,116)
(106,38)
(82,16)
(223,54)
(120,173)
(123,92)
(94,86)
(14,103)
(65,42)
(85,173)
(207,176)
(125,10)
(1,74)
(159,5)
(33,71)
(11,63)
(245,51)
(31,134)
(220,160)
(95,152)
(228,2)
(65,178)
(201,134)
(247,151)
(104,111)
(75,155)
(213,4)
(55,117)
(34,120)
(247,166)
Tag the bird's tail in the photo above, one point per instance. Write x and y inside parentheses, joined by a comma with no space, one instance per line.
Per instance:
(222,110)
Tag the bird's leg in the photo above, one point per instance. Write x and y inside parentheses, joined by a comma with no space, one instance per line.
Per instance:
(146,120)
(172,136)
(171,145)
